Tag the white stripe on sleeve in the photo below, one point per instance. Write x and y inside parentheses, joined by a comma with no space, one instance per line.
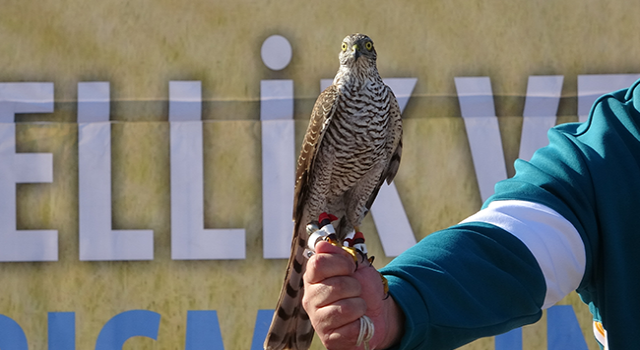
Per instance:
(552,239)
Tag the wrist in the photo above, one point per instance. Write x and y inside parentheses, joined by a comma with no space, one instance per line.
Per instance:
(394,325)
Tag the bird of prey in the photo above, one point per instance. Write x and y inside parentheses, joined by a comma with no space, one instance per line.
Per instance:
(352,146)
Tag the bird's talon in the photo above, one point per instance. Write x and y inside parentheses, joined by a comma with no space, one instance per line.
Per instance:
(331,238)
(385,286)
(362,254)
(371,259)
(353,252)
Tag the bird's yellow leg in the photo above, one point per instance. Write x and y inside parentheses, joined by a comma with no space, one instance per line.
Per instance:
(385,285)
(352,251)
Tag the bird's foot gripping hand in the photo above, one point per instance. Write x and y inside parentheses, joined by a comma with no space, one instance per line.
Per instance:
(360,307)
(323,230)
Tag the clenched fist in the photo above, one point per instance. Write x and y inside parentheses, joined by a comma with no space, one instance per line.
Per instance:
(337,295)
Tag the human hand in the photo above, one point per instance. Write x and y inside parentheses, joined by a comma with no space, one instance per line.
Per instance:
(337,295)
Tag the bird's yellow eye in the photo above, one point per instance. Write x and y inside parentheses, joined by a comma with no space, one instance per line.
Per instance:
(369,45)
(344,46)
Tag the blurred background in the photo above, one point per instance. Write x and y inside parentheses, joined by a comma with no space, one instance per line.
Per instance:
(138,47)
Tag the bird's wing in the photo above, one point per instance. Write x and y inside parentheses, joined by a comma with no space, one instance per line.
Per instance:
(290,327)
(321,116)
(394,147)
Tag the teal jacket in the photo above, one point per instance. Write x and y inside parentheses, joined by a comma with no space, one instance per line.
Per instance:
(566,221)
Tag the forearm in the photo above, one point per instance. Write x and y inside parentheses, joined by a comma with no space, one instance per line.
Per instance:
(456,285)
(464,283)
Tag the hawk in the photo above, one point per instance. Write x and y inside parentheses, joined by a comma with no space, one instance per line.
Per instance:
(352,146)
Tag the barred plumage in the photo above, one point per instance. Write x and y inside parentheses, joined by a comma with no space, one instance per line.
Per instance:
(352,145)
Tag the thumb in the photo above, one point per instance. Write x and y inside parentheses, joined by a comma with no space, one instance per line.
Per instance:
(324,247)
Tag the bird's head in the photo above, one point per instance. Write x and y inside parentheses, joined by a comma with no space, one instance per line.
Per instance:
(357,52)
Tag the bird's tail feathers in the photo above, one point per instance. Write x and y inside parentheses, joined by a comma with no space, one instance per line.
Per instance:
(290,326)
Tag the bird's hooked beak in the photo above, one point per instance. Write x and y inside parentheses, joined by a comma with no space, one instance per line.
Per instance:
(356,52)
